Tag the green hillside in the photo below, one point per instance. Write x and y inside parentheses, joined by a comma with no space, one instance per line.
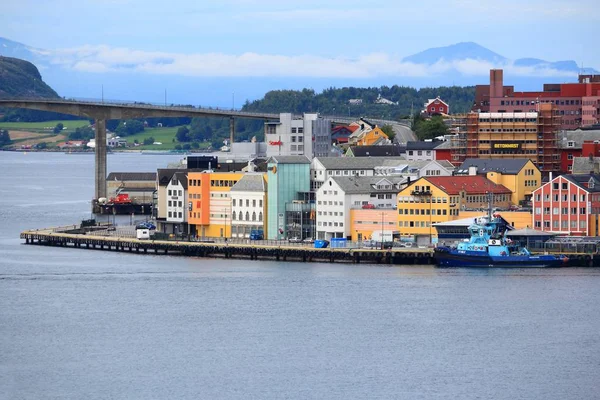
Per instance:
(19,78)
(336,101)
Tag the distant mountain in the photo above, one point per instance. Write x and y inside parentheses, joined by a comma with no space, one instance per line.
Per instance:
(474,51)
(454,52)
(9,48)
(19,78)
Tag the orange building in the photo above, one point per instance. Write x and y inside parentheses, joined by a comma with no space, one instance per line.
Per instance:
(209,202)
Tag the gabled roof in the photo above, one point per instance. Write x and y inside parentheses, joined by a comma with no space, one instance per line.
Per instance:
(250,183)
(386,150)
(583,180)
(164,175)
(364,184)
(341,163)
(289,160)
(132,176)
(181,177)
(584,165)
(507,166)
(578,137)
(475,184)
(529,232)
(423,145)
(429,101)
(446,144)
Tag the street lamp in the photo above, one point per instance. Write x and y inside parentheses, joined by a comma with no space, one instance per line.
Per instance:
(382,214)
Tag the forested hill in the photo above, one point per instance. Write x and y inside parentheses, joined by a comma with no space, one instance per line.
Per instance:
(19,78)
(337,101)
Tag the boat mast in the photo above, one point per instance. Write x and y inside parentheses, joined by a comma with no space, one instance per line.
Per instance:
(489,198)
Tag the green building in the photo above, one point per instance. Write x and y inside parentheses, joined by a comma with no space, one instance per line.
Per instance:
(288,177)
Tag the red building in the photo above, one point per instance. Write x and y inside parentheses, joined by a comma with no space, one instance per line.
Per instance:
(578,143)
(568,204)
(436,106)
(578,103)
(341,133)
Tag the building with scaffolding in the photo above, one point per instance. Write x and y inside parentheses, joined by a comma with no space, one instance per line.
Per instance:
(508,135)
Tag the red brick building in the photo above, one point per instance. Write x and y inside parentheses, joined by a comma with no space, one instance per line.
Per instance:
(568,205)
(578,104)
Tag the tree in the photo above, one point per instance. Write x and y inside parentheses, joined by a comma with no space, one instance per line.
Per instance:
(429,129)
(187,146)
(41,146)
(82,133)
(389,131)
(58,128)
(177,147)
(129,127)
(148,141)
(195,145)
(182,134)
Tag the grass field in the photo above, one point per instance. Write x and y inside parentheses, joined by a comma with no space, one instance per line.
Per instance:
(162,135)
(43,126)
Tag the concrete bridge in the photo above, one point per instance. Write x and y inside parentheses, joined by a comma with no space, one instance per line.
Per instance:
(101,111)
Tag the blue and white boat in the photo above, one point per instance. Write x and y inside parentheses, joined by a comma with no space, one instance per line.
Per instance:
(489,247)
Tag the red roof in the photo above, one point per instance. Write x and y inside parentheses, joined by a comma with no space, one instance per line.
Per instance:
(471,184)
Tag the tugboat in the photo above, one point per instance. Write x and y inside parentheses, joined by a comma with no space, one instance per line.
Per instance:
(489,247)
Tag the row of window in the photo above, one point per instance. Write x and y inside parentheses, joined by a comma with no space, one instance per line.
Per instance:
(175,203)
(563,211)
(531,183)
(488,120)
(175,214)
(240,216)
(330,202)
(419,152)
(175,193)
(563,225)
(557,197)
(412,211)
(435,172)
(297,130)
(532,102)
(299,147)
(340,224)
(529,172)
(415,224)
(331,213)
(235,203)
(298,139)
(520,130)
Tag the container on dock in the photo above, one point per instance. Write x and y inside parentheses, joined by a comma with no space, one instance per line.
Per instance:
(321,244)
(339,242)
(143,233)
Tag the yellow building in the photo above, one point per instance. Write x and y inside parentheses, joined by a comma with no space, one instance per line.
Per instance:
(438,199)
(520,175)
(210,202)
(372,137)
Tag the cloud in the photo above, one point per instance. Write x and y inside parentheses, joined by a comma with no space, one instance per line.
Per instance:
(102,59)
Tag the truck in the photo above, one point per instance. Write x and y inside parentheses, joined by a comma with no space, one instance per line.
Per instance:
(257,234)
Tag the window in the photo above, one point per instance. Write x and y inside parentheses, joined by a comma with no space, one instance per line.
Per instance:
(233,202)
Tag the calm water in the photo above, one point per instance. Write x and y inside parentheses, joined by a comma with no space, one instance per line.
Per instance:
(81,324)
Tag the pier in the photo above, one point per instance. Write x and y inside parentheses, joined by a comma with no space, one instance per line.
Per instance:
(91,238)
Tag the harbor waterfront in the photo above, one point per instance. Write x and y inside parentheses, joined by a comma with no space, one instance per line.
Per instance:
(107,324)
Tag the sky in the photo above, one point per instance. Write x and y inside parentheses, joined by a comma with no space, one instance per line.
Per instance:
(322,39)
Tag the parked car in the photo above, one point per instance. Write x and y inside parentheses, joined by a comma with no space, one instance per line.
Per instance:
(257,234)
(146,225)
(295,240)
(368,206)
(308,240)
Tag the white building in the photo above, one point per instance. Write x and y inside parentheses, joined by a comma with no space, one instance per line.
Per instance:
(421,151)
(309,136)
(176,203)
(322,168)
(248,205)
(415,169)
(339,195)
